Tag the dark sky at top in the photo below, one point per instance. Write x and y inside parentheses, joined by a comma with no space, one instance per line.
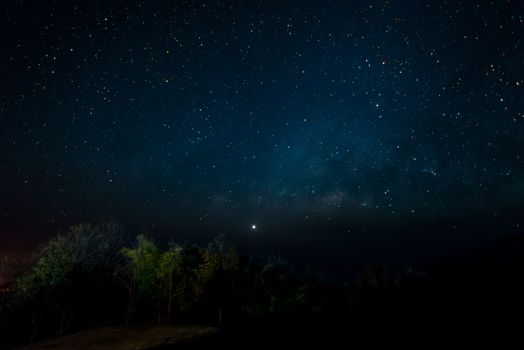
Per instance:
(318,121)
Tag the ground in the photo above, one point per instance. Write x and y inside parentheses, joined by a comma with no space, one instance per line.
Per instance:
(127,338)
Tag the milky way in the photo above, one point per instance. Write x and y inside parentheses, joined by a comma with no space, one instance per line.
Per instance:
(205,116)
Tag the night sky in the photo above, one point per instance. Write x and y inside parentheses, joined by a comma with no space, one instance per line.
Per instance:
(329,125)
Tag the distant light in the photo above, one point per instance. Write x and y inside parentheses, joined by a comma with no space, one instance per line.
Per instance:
(253,227)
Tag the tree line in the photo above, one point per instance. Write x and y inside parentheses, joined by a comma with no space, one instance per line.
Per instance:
(94,274)
(99,274)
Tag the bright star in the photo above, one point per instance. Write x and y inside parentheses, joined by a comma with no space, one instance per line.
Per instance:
(253,227)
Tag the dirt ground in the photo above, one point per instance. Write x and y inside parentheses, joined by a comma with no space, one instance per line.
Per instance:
(126,338)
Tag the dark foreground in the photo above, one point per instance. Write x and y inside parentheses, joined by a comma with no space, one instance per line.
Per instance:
(474,300)
(127,338)
(322,335)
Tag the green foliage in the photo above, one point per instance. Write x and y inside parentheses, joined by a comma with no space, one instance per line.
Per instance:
(90,264)
(69,269)
(219,265)
(83,247)
(186,279)
(274,292)
(170,264)
(55,262)
(143,264)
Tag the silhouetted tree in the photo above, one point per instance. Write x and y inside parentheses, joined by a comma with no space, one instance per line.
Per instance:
(216,274)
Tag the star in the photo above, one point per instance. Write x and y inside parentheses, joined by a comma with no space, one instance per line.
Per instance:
(253,227)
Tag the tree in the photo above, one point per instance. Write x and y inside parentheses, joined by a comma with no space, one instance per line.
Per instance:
(186,278)
(373,286)
(216,274)
(142,271)
(170,263)
(97,245)
(53,283)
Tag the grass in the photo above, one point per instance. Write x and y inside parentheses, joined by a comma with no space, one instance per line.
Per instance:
(127,338)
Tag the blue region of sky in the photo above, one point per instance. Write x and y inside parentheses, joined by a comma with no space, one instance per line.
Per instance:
(290,115)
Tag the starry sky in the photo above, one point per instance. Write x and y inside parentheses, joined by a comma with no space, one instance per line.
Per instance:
(332,121)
